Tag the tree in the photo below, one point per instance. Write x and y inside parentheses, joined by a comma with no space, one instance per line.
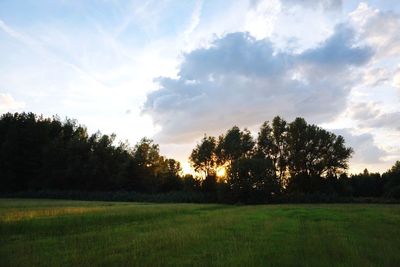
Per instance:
(315,151)
(158,174)
(203,157)
(39,153)
(252,180)
(272,145)
(367,184)
(392,181)
(169,175)
(235,151)
(235,144)
(146,153)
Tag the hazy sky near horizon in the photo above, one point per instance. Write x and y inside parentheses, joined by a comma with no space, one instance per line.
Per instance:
(174,70)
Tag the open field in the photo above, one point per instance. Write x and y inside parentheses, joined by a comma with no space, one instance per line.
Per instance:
(77,233)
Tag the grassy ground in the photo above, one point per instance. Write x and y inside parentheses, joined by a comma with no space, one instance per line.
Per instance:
(77,233)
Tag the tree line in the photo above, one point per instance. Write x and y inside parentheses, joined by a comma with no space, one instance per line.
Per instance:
(39,153)
(283,160)
(286,159)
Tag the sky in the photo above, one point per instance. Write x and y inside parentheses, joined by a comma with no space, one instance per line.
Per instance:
(173,70)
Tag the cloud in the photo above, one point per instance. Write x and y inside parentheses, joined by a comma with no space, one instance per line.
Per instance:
(195,19)
(396,79)
(261,17)
(337,51)
(8,103)
(364,111)
(242,80)
(366,151)
(369,115)
(379,29)
(384,120)
(15,34)
(236,53)
(374,77)
(326,5)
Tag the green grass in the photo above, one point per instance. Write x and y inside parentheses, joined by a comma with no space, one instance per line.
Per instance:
(78,233)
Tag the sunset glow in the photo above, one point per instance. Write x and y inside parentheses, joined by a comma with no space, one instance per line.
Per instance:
(221,172)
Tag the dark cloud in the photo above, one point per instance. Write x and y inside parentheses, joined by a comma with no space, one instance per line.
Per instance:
(338,51)
(241,80)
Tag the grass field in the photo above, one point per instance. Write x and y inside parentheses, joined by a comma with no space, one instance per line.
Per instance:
(77,233)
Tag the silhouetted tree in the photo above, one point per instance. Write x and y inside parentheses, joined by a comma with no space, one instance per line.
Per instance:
(252,180)
(314,153)
(39,153)
(296,158)
(272,145)
(392,181)
(235,144)
(203,157)
(190,183)
(367,184)
(169,175)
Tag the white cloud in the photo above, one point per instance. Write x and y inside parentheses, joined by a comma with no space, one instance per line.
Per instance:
(9,104)
(376,76)
(325,5)
(241,80)
(396,79)
(370,115)
(261,18)
(367,153)
(379,29)
(364,111)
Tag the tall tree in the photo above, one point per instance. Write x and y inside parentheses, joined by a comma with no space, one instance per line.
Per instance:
(272,145)
(203,157)
(235,144)
(314,151)
(252,179)
(392,181)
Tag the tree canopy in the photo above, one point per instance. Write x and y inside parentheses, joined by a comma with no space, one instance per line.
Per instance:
(39,153)
(285,156)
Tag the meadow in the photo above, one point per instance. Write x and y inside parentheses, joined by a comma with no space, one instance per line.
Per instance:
(83,233)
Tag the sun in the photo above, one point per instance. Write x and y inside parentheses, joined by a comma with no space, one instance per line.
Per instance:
(221,172)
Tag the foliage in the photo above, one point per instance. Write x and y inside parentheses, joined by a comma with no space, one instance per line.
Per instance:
(367,184)
(286,158)
(392,181)
(39,153)
(203,156)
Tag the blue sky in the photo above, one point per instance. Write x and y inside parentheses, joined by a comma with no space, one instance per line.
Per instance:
(174,70)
